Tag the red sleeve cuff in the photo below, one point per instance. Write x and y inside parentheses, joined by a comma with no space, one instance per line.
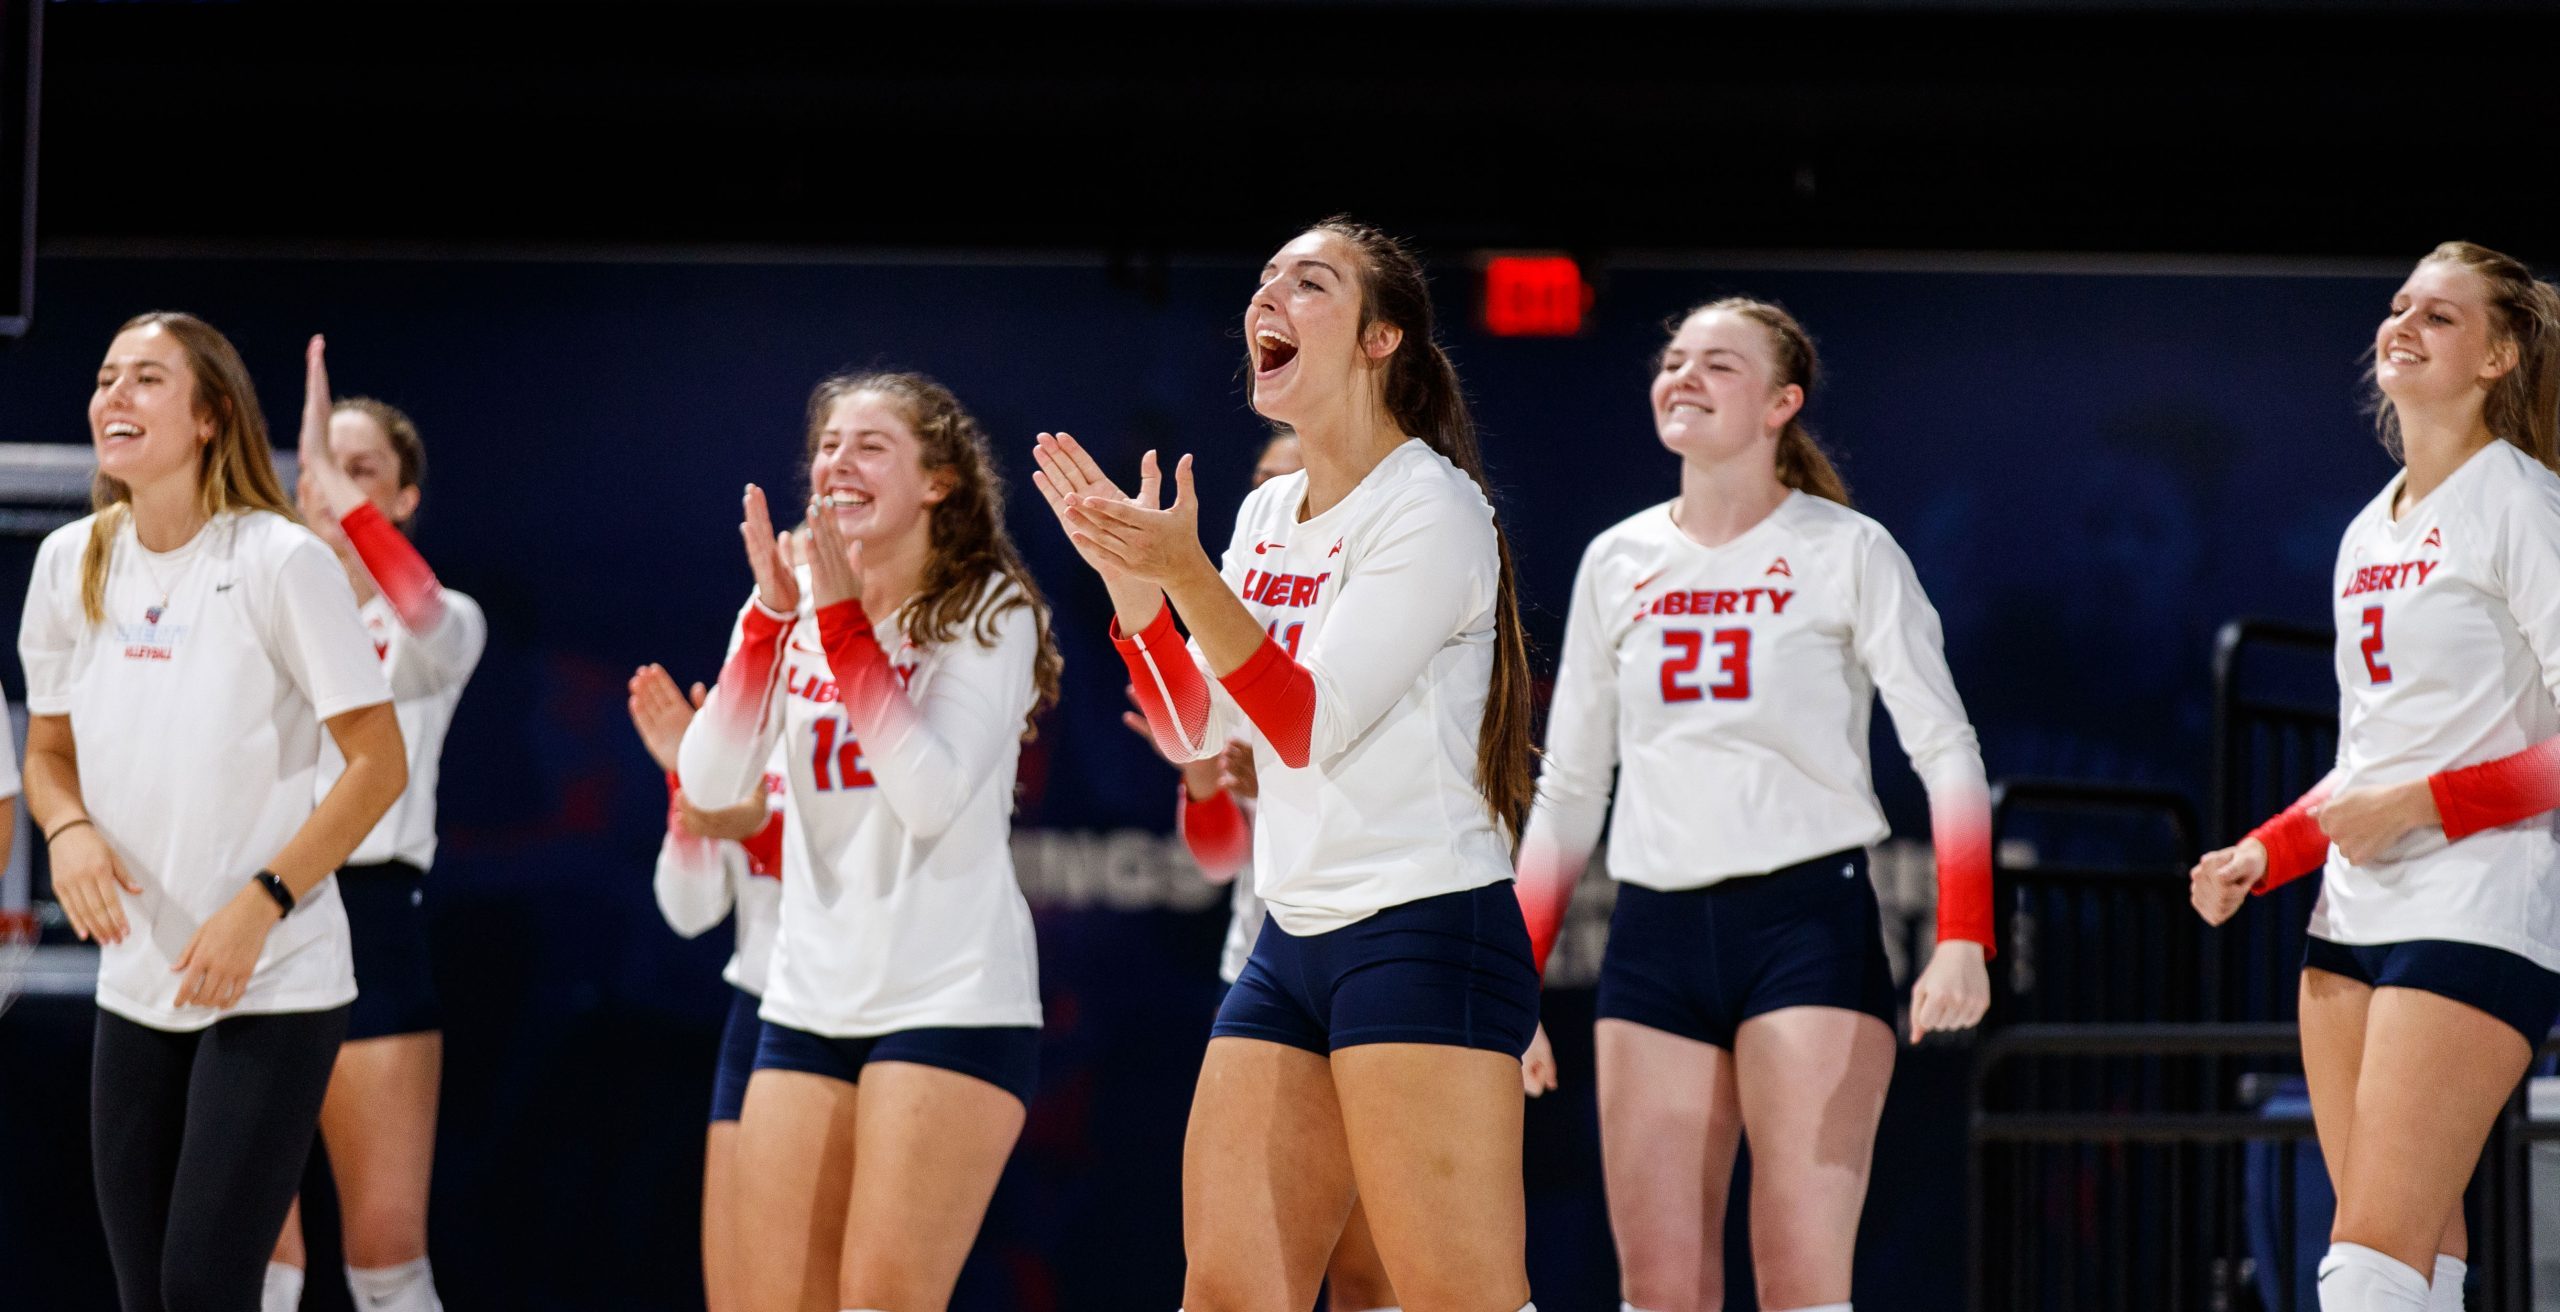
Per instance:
(1219,836)
(2295,846)
(1278,695)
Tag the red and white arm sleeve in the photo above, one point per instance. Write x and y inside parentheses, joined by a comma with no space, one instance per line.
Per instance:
(1572,805)
(1173,690)
(1219,834)
(2518,786)
(2295,845)
(396,567)
(1404,595)
(722,759)
(929,759)
(692,878)
(1901,644)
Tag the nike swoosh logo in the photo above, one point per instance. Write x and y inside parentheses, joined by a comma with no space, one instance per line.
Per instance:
(226,587)
(1642,583)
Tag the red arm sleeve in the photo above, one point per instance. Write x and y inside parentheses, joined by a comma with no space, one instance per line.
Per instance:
(764,848)
(2515,787)
(867,687)
(2295,846)
(1218,834)
(1960,834)
(1279,696)
(1171,689)
(396,567)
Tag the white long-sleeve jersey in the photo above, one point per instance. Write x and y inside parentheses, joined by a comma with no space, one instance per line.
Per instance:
(427,672)
(1730,688)
(700,881)
(900,909)
(2448,656)
(1381,616)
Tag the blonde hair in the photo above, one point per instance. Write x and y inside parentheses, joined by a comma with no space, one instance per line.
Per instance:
(237,472)
(2524,404)
(1802,463)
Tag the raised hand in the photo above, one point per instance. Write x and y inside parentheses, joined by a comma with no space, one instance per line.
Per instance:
(2221,881)
(1067,472)
(661,713)
(1139,541)
(1953,993)
(775,586)
(324,486)
(1236,772)
(835,561)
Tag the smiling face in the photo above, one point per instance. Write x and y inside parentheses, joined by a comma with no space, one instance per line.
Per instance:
(2441,340)
(143,419)
(866,465)
(1714,389)
(1303,327)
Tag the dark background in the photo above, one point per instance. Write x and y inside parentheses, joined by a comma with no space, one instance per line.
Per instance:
(2091,280)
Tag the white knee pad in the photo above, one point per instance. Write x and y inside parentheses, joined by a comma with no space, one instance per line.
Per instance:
(2444,1293)
(408,1287)
(2354,1278)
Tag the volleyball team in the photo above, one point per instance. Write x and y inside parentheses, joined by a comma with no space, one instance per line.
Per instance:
(238,699)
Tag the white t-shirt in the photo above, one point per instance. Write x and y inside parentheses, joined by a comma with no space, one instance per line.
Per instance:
(1730,688)
(1387,601)
(426,672)
(900,909)
(699,881)
(2449,655)
(197,710)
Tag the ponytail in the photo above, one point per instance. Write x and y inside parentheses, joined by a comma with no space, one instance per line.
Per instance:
(1424,398)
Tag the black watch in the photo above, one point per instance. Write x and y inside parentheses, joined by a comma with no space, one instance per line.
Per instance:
(275,886)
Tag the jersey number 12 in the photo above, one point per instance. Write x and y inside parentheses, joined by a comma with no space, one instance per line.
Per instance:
(837,764)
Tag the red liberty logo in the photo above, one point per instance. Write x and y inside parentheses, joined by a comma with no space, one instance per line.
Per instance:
(2435,537)
(1778,566)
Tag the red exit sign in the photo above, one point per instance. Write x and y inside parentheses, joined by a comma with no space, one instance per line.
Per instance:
(1534,296)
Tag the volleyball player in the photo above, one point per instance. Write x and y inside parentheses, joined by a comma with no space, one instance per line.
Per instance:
(185,646)
(2429,978)
(1722,655)
(1215,819)
(1364,631)
(363,475)
(901,1021)
(711,863)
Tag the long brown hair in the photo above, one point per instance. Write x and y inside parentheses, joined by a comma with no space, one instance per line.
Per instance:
(1802,463)
(1422,395)
(971,552)
(237,470)
(2524,404)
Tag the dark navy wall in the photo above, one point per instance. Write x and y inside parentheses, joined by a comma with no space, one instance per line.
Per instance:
(2090,470)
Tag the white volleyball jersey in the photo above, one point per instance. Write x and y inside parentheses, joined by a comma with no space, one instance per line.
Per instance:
(2449,655)
(900,909)
(700,881)
(426,672)
(197,710)
(1386,600)
(1730,688)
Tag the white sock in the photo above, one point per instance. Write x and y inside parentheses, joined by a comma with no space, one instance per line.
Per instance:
(283,1290)
(2354,1278)
(2444,1293)
(408,1287)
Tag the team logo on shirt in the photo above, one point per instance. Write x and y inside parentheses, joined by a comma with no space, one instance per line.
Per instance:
(1293,590)
(1721,601)
(2390,578)
(1778,566)
(2435,537)
(1337,549)
(151,640)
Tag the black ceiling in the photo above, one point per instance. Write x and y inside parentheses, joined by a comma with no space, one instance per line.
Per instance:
(2314,129)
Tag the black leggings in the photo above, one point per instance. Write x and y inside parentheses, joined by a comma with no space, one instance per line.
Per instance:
(198,1140)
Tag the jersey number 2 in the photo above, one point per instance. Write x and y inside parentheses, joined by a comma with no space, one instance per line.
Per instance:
(2373,667)
(1688,646)
(837,765)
